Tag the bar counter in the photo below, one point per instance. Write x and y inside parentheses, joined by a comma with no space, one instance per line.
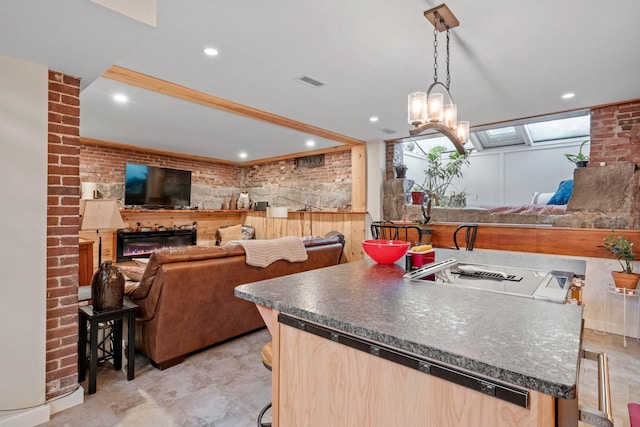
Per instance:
(514,340)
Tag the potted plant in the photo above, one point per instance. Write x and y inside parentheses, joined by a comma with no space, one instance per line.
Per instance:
(417,195)
(438,175)
(426,231)
(400,169)
(579,159)
(458,200)
(622,249)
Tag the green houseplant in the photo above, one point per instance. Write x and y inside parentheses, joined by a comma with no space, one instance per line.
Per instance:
(438,174)
(622,250)
(579,159)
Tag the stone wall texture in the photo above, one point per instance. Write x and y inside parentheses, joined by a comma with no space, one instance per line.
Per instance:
(213,183)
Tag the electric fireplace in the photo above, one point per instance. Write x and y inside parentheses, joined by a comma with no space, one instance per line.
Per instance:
(141,244)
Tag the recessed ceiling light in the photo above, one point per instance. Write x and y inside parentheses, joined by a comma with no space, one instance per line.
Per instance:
(310,143)
(121,98)
(373,119)
(211,51)
(242,155)
(568,95)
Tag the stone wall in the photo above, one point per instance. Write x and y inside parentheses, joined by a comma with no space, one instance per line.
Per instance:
(212,183)
(326,187)
(605,194)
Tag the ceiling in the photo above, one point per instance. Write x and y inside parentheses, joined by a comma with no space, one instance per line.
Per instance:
(509,60)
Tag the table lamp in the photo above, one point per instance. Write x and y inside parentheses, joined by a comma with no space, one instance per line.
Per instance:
(100,214)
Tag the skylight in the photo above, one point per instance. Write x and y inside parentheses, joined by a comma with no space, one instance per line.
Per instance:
(500,137)
(549,129)
(553,130)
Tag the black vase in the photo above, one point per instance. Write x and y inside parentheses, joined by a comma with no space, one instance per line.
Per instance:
(107,287)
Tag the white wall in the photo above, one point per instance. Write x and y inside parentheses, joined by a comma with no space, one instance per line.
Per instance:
(507,176)
(23,191)
(375,178)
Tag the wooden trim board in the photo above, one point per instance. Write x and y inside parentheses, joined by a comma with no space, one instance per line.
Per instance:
(545,240)
(164,87)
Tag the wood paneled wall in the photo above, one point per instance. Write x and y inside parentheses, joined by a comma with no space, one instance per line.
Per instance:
(351,224)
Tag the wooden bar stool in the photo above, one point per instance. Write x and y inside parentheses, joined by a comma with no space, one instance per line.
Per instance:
(267,358)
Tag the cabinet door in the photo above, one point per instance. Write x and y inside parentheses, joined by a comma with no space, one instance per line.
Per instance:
(321,382)
(85,255)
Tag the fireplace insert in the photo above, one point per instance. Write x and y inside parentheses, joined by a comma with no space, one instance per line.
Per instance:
(141,244)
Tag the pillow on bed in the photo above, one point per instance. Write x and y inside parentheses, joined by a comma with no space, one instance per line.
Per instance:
(563,193)
(541,198)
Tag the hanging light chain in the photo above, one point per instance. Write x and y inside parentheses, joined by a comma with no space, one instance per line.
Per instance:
(448,74)
(435,48)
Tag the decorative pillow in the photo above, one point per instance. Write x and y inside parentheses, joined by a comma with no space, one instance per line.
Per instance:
(248,232)
(228,234)
(541,198)
(563,193)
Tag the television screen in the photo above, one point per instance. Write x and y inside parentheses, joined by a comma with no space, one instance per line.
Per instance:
(152,186)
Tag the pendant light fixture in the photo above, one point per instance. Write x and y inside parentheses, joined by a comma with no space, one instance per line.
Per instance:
(428,111)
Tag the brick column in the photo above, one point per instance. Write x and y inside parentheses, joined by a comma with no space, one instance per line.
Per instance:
(63,199)
(615,134)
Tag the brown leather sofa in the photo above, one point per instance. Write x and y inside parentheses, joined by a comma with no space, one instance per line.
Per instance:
(186,301)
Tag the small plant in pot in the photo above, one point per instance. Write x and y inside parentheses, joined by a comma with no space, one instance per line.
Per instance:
(622,249)
(400,169)
(417,195)
(579,159)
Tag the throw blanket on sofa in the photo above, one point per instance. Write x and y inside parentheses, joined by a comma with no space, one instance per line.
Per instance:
(261,253)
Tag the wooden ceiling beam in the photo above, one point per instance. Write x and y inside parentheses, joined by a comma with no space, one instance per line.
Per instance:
(164,87)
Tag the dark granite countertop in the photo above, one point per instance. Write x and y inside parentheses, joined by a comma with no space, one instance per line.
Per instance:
(521,341)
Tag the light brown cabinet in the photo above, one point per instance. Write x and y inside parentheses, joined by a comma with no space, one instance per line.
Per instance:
(85,255)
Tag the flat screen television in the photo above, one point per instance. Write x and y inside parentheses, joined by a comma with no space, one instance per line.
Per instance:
(156,187)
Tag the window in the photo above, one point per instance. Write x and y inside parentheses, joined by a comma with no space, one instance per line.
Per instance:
(548,129)
(553,130)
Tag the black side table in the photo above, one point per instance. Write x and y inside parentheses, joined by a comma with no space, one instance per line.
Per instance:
(88,316)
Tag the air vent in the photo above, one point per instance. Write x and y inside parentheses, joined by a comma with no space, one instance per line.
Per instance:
(388,131)
(309,81)
(310,161)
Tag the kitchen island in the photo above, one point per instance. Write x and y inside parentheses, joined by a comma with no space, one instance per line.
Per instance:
(358,345)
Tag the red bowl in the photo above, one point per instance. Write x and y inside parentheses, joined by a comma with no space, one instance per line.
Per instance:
(385,251)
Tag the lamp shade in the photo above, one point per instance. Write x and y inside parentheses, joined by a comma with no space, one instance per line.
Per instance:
(417,108)
(277,212)
(100,214)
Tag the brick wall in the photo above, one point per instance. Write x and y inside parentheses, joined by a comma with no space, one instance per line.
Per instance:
(328,186)
(105,165)
(615,134)
(62,235)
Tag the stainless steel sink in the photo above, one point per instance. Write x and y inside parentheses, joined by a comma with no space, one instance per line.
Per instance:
(530,283)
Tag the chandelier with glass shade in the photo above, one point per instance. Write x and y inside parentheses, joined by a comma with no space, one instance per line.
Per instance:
(427,111)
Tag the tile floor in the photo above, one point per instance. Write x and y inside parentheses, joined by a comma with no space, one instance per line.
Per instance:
(227,386)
